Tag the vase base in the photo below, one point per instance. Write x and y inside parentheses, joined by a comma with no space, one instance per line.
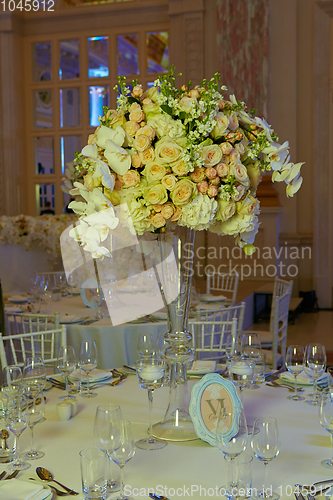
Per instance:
(169,431)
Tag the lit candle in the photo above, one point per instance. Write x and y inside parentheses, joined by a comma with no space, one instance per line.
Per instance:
(151,373)
(241,368)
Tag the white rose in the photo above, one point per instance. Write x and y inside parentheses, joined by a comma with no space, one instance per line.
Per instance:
(211,155)
(240,173)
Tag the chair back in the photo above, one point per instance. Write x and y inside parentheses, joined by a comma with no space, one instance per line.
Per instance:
(209,337)
(223,314)
(2,312)
(26,323)
(15,349)
(224,282)
(279,319)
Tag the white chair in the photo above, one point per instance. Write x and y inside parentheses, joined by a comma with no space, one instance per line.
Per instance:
(2,312)
(223,314)
(209,337)
(17,323)
(224,282)
(14,349)
(276,338)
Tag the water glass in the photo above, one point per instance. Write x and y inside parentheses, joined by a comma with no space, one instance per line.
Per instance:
(93,473)
(295,365)
(242,476)
(259,372)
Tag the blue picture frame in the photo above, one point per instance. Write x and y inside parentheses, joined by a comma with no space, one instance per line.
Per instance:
(208,396)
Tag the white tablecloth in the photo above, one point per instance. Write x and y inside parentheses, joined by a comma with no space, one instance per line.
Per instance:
(304,443)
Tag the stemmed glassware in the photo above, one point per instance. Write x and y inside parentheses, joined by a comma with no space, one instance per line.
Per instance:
(106,416)
(16,422)
(231,437)
(34,376)
(251,349)
(88,362)
(326,420)
(34,413)
(66,364)
(145,346)
(12,382)
(315,366)
(295,364)
(150,373)
(122,450)
(265,444)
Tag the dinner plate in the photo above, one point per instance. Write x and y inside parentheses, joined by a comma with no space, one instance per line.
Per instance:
(18,299)
(13,310)
(206,297)
(95,376)
(70,318)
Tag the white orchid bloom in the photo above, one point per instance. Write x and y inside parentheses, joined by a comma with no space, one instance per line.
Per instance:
(105,134)
(294,172)
(294,186)
(89,238)
(95,201)
(277,155)
(101,168)
(118,158)
(261,122)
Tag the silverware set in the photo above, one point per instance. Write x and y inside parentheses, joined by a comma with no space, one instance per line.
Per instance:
(4,475)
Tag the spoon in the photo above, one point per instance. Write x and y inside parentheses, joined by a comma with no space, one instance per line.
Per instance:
(46,475)
(54,489)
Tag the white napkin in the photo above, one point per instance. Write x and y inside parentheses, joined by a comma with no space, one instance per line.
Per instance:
(16,489)
(206,297)
(18,298)
(302,379)
(202,366)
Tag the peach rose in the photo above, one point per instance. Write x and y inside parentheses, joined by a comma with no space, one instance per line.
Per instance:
(157,208)
(180,168)
(215,182)
(131,128)
(222,169)
(183,192)
(212,191)
(119,184)
(147,101)
(202,187)
(211,173)
(154,171)
(156,194)
(157,220)
(226,148)
(198,174)
(146,130)
(131,178)
(169,181)
(168,210)
(177,214)
(194,93)
(240,173)
(247,206)
(211,155)
(137,91)
(141,143)
(147,155)
(167,150)
(136,113)
(226,209)
(115,119)
(136,161)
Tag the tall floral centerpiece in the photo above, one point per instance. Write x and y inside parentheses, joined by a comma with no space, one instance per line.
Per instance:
(177,158)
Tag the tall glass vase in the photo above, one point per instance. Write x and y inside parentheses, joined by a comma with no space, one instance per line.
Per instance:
(176,252)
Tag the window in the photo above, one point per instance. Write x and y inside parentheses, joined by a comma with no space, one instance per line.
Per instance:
(72,78)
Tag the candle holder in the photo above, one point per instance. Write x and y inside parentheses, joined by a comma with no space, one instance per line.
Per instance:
(150,373)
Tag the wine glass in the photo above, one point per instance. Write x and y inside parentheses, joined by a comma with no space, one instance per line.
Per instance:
(34,413)
(326,420)
(265,444)
(315,366)
(105,417)
(12,382)
(66,364)
(231,437)
(16,422)
(295,364)
(251,348)
(87,363)
(145,346)
(150,373)
(122,449)
(34,376)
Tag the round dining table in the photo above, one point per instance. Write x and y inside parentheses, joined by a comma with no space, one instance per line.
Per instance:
(192,469)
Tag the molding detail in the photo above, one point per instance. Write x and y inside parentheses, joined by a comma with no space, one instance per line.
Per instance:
(194,44)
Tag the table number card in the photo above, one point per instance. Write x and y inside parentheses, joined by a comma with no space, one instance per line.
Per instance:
(208,397)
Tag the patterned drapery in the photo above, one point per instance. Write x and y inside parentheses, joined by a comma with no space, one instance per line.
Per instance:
(242,50)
